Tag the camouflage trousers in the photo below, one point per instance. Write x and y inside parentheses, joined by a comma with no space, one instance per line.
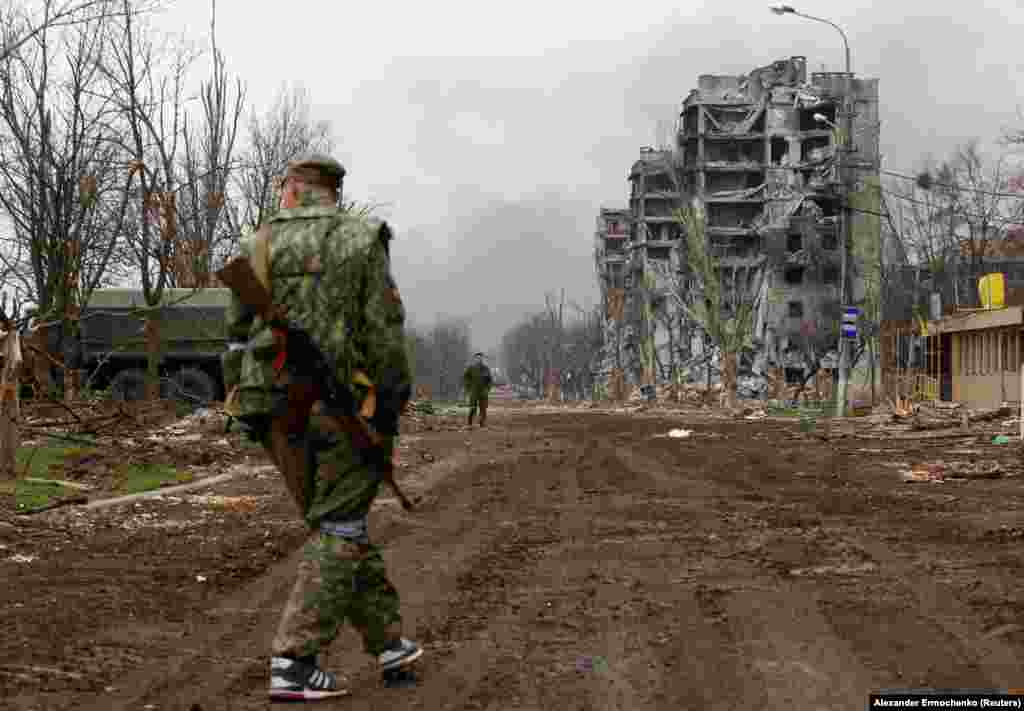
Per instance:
(339,581)
(478,401)
(342,577)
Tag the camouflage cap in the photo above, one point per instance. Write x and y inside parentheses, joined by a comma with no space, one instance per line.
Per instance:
(317,169)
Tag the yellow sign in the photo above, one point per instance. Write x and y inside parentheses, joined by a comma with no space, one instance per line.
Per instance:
(991,290)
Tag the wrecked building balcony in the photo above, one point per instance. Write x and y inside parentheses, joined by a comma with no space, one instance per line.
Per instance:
(728,166)
(730,214)
(730,231)
(728,183)
(725,198)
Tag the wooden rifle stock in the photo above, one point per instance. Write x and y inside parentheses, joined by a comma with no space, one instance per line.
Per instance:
(239,276)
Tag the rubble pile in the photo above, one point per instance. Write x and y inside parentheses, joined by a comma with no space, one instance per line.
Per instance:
(942,415)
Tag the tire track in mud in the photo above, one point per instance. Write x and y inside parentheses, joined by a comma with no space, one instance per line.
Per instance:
(495,589)
(814,632)
(497,556)
(213,662)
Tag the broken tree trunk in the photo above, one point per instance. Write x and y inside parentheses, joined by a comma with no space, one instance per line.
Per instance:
(152,331)
(10,348)
(72,384)
(777,383)
(730,379)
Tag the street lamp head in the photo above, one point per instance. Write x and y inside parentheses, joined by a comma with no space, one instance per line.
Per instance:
(782,9)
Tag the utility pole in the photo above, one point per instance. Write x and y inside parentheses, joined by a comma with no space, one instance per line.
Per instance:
(845,216)
(845,176)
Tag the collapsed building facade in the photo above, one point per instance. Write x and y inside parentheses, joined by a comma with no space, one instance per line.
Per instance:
(757,154)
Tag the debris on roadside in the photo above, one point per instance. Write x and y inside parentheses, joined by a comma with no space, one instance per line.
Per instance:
(939,472)
(231,503)
(844,569)
(19,558)
(927,473)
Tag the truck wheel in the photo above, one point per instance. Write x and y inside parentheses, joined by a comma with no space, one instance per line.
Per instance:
(193,386)
(129,384)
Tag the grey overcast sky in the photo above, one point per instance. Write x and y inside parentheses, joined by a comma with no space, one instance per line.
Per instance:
(492,132)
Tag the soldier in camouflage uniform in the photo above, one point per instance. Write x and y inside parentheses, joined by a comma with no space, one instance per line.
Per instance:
(331,271)
(477,382)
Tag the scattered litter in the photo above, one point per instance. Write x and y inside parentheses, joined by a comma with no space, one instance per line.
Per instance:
(860,569)
(591,664)
(1001,439)
(19,558)
(232,503)
(200,578)
(985,469)
(679,433)
(923,473)
(1002,631)
(938,472)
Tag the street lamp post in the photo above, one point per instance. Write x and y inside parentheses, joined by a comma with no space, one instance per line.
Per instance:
(842,165)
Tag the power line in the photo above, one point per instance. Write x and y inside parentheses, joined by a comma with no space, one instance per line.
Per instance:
(961,213)
(1017,196)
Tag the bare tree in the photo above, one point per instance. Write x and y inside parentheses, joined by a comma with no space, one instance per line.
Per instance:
(554,341)
(61,176)
(151,102)
(439,355)
(183,160)
(920,221)
(207,166)
(584,339)
(282,134)
(19,25)
(960,209)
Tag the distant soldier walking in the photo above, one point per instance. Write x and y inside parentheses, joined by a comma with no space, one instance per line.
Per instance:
(477,381)
(329,279)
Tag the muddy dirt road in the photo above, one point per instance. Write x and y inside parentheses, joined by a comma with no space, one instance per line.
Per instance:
(562,560)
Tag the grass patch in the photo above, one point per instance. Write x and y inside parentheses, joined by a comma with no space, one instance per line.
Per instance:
(47,461)
(136,478)
(30,494)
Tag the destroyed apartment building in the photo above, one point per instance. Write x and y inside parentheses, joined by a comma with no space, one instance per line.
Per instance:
(757,153)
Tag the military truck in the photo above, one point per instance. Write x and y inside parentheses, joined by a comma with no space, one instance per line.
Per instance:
(112,343)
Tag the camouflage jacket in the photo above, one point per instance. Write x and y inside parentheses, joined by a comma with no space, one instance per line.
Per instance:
(333,273)
(477,380)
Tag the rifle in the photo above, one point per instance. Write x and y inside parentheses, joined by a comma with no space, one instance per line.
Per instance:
(318,383)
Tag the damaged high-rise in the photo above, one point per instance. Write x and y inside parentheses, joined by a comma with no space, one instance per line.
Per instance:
(759,154)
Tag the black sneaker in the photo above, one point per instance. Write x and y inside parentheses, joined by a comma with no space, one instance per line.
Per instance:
(399,653)
(301,680)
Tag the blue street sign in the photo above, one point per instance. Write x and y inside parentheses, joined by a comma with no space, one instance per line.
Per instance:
(849,330)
